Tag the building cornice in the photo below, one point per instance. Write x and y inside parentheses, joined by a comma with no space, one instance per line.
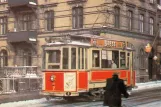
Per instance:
(75,1)
(97,31)
(130,4)
(48,5)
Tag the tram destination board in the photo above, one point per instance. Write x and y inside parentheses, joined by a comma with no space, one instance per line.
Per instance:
(107,43)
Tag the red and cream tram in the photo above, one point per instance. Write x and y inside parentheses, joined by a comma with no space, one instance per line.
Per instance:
(76,65)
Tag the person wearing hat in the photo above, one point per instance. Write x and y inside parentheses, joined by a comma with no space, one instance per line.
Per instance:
(113,90)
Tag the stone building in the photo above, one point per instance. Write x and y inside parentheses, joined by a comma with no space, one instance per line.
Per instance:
(25,25)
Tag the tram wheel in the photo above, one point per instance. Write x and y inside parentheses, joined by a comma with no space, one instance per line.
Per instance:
(48,98)
(68,98)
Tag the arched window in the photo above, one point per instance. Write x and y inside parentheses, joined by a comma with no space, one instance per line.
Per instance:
(49,20)
(3,58)
(151,26)
(142,58)
(117,17)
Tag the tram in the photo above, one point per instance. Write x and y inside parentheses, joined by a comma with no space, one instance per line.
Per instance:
(79,65)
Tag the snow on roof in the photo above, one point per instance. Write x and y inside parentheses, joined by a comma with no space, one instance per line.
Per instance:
(70,43)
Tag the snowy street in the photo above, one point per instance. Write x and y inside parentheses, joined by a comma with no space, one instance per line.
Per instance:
(141,100)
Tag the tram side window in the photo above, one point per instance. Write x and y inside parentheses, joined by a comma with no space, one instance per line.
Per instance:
(73,58)
(115,59)
(106,59)
(65,58)
(122,59)
(95,58)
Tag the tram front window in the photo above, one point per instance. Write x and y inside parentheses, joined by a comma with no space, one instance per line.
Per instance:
(73,57)
(54,59)
(65,58)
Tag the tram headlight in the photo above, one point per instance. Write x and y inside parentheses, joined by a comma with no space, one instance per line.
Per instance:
(52,78)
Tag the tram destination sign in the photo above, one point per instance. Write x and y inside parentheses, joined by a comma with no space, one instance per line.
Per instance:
(107,43)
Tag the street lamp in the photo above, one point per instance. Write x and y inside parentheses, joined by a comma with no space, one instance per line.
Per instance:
(148,48)
(155,58)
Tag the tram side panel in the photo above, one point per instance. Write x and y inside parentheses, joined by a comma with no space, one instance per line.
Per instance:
(98,77)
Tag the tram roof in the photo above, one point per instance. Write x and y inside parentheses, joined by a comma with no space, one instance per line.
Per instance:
(87,40)
(90,36)
(69,43)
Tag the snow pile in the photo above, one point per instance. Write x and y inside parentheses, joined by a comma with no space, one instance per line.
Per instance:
(23,103)
(147,85)
(28,75)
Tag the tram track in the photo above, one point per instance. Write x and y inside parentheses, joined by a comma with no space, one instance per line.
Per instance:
(134,100)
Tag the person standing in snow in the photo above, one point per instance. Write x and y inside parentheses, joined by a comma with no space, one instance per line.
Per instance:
(113,90)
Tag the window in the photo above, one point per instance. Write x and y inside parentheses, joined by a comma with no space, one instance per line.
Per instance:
(110,59)
(142,59)
(77,17)
(28,21)
(3,25)
(122,59)
(115,58)
(54,59)
(151,26)
(141,23)
(151,1)
(117,17)
(65,58)
(73,58)
(27,58)
(159,2)
(49,20)
(106,59)
(2,1)
(130,15)
(96,58)
(82,58)
(54,56)
(3,58)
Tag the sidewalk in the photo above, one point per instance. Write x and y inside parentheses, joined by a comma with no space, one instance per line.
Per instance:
(20,97)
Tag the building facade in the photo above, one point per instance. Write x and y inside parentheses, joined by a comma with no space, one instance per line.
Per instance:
(27,25)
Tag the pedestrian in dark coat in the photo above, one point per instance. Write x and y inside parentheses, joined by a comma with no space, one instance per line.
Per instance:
(113,90)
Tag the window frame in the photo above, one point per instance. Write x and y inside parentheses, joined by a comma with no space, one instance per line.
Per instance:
(141,23)
(3,25)
(117,17)
(142,59)
(49,20)
(82,66)
(27,21)
(77,17)
(3,58)
(151,26)
(130,20)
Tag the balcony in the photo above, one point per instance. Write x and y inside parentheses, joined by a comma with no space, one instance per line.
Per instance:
(22,3)
(22,36)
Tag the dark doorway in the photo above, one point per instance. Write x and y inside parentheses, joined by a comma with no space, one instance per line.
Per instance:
(150,66)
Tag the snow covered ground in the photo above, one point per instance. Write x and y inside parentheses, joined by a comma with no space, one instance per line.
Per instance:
(43,103)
